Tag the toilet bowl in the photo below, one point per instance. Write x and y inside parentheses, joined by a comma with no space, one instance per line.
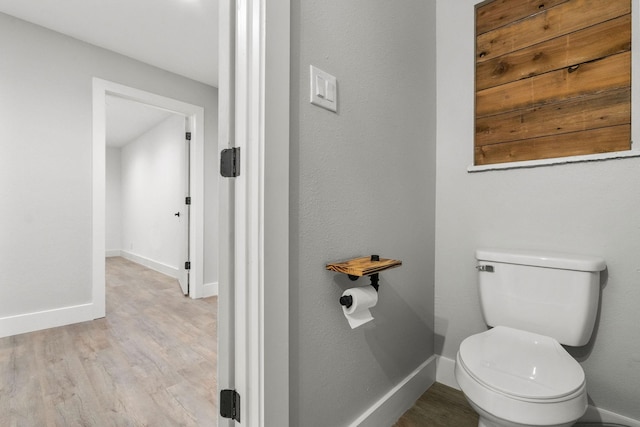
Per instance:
(517,374)
(515,378)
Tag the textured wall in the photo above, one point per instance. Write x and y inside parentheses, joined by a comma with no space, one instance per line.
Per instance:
(589,208)
(362,182)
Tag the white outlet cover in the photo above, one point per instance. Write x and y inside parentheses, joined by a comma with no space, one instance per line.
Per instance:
(324,89)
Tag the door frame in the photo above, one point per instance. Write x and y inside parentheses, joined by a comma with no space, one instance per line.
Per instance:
(195,115)
(253,352)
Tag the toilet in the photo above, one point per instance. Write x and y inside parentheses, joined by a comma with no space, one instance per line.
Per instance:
(517,374)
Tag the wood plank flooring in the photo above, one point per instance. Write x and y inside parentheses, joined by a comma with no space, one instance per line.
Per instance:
(150,362)
(440,406)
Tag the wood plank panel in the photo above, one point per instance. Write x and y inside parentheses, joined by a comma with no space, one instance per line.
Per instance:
(606,74)
(583,113)
(363,266)
(595,42)
(604,140)
(560,20)
(499,13)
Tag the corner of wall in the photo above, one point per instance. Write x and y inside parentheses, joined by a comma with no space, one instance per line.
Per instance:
(400,398)
(445,371)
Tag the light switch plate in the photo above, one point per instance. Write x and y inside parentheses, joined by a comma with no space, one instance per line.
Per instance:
(324,89)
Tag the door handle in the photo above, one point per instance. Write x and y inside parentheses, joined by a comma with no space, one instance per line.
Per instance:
(177,214)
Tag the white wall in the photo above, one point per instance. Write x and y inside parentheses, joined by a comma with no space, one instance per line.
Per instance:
(362,182)
(153,183)
(113,215)
(586,208)
(45,163)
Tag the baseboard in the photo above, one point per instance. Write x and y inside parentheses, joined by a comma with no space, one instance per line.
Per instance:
(399,399)
(599,415)
(445,371)
(110,253)
(210,290)
(30,322)
(149,263)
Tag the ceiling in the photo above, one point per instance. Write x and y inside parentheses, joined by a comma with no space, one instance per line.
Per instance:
(180,36)
(127,120)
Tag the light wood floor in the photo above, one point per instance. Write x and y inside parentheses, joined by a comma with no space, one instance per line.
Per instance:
(150,362)
(440,406)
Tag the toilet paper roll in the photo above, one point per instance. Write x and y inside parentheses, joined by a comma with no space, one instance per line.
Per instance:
(363,299)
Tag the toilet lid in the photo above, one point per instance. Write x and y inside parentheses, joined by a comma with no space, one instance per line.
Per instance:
(521,364)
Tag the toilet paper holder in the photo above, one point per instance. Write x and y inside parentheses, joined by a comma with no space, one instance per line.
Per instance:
(363,266)
(347,300)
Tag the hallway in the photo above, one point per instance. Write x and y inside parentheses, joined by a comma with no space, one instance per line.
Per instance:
(151,361)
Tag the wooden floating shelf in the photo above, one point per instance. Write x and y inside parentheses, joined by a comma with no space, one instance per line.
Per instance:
(363,266)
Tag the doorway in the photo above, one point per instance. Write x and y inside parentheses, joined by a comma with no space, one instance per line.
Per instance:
(195,118)
(147,187)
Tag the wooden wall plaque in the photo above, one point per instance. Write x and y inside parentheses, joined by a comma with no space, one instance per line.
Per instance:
(553,79)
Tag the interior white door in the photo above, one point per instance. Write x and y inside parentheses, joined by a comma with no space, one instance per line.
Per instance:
(184,214)
(226,378)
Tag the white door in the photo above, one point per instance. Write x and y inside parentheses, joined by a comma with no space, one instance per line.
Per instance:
(226,319)
(184,214)
(253,312)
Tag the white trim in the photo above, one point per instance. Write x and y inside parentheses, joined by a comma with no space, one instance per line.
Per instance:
(259,96)
(29,322)
(635,76)
(163,268)
(226,300)
(98,190)
(210,290)
(390,407)
(445,371)
(101,88)
(254,209)
(598,415)
(110,253)
(555,161)
(248,213)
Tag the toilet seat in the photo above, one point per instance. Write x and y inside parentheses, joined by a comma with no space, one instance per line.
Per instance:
(521,365)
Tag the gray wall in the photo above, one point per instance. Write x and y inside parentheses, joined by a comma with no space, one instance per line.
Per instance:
(45,161)
(587,208)
(362,182)
(153,186)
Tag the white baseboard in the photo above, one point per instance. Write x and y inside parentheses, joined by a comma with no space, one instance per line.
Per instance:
(110,253)
(30,322)
(400,398)
(445,374)
(210,290)
(149,263)
(445,371)
(599,415)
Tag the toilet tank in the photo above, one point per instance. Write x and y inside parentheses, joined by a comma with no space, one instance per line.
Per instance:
(551,294)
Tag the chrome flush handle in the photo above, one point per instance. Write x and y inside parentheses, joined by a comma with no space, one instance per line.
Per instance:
(487,268)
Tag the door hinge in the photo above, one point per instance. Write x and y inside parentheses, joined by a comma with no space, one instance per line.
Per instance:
(230,162)
(187,200)
(188,136)
(230,404)
(187,265)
